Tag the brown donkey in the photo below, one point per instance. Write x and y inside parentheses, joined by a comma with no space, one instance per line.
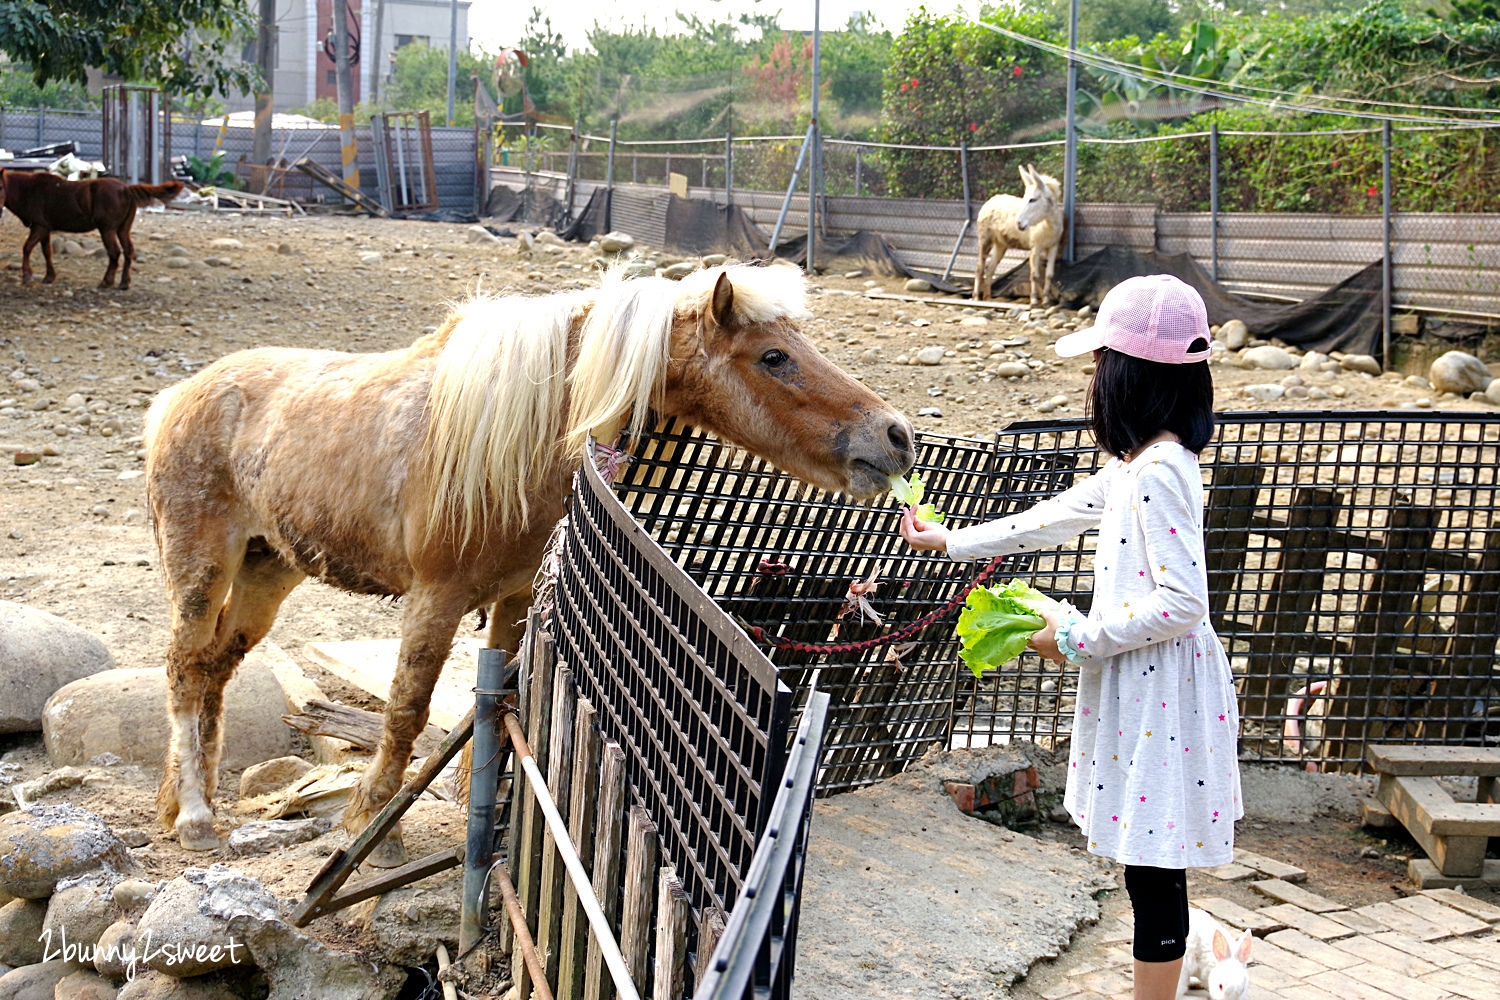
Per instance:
(46,202)
(437,472)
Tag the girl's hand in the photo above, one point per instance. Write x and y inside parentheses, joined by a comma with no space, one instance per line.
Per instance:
(1044,642)
(922,535)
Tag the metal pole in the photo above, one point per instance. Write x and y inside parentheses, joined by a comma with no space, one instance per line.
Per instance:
(452,54)
(1385,261)
(1070,154)
(260,153)
(572,167)
(609,177)
(483,780)
(728,169)
(348,144)
(786,202)
(41,119)
(1213,194)
(815,171)
(859,169)
(963,168)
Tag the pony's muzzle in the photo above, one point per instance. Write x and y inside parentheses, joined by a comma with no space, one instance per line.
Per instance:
(884,447)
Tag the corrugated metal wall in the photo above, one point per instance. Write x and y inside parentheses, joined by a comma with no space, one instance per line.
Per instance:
(1440,261)
(452,148)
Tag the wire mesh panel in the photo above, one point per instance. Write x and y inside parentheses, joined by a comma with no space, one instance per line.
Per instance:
(1354,573)
(699,712)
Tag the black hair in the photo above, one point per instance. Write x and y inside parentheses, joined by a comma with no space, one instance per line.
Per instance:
(1132,400)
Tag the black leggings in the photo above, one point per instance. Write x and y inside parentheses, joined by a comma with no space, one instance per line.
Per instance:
(1159,898)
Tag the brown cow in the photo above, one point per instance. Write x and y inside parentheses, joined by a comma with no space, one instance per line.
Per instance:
(45,202)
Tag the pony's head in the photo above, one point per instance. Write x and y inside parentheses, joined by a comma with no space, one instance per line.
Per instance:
(1040,200)
(738,366)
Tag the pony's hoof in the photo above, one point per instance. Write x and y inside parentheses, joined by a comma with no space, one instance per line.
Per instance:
(197,835)
(389,853)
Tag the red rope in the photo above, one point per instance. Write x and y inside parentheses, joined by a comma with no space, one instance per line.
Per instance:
(904,632)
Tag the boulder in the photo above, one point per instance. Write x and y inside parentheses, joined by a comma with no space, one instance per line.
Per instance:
(79,912)
(714,259)
(271,775)
(1313,359)
(114,953)
(1012,369)
(225,243)
(1459,372)
(46,844)
(183,933)
(35,982)
(21,931)
(932,355)
(481,235)
(916,285)
(679,270)
(638,269)
(85,984)
(122,712)
(616,242)
(547,237)
(40,653)
(1234,334)
(1493,392)
(1360,363)
(1269,358)
(408,924)
(1265,393)
(152,985)
(132,893)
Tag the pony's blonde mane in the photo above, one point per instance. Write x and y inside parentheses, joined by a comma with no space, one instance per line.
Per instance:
(502,412)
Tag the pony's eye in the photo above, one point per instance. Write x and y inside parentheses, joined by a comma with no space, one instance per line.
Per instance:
(773,358)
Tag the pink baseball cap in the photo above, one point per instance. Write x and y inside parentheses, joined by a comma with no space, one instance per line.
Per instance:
(1155,317)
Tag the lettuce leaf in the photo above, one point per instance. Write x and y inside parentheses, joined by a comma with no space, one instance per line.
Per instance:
(997,622)
(910,493)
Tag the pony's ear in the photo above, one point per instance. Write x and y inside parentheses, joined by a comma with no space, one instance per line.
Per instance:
(1025,178)
(721,302)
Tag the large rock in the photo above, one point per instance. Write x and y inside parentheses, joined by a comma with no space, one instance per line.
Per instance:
(271,775)
(1234,334)
(35,982)
(153,985)
(1270,358)
(79,912)
(267,835)
(1459,372)
(21,931)
(1360,363)
(84,984)
(39,653)
(408,924)
(123,712)
(46,844)
(114,953)
(616,242)
(932,355)
(182,935)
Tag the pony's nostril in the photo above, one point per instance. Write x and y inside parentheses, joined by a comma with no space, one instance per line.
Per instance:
(898,435)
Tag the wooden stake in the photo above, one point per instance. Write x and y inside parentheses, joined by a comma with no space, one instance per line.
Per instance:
(608,831)
(559,782)
(641,856)
(575,929)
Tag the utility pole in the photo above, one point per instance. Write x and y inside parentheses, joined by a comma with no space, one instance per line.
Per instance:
(348,146)
(452,54)
(1070,149)
(376,90)
(260,152)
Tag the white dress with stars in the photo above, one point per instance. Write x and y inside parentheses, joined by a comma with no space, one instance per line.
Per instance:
(1153,775)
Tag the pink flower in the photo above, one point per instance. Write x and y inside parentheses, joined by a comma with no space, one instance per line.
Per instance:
(1372,191)
(1015,71)
(973,126)
(913,83)
(903,88)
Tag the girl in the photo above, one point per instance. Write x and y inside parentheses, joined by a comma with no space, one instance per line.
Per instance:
(1153,775)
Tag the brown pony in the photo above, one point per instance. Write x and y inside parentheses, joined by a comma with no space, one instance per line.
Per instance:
(437,472)
(46,202)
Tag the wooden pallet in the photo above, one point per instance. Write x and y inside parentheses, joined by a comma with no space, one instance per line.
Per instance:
(1454,834)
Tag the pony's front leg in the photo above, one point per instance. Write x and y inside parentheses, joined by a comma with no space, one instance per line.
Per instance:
(1038,289)
(33,237)
(426,636)
(1051,264)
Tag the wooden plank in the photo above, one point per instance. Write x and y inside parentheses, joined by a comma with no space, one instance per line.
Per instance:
(1458,924)
(1470,986)
(1309,923)
(642,852)
(1269,866)
(1240,918)
(1406,922)
(1310,947)
(1464,903)
(710,930)
(559,783)
(669,979)
(1232,872)
(608,833)
(1432,954)
(1285,892)
(1425,875)
(575,927)
(1375,815)
(1358,921)
(1375,982)
(1413,801)
(370,664)
(1430,761)
(1377,949)
(528,870)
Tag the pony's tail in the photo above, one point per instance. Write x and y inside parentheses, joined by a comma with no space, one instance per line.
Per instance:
(143,194)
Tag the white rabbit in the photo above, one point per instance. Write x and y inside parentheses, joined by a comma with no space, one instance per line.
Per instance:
(1210,963)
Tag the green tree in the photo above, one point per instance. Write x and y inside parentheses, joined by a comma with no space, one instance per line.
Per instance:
(132,39)
(19,87)
(419,82)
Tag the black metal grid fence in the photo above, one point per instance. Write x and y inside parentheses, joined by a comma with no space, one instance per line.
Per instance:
(700,714)
(1355,580)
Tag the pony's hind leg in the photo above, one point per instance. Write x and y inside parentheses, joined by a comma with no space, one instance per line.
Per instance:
(128,251)
(260,586)
(112,247)
(427,630)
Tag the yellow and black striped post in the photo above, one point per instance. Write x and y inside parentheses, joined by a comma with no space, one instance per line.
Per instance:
(348,145)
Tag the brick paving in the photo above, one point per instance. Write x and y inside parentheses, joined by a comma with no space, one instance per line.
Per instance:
(1435,945)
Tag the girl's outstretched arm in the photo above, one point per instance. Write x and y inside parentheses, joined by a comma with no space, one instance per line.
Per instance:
(1049,523)
(1169,510)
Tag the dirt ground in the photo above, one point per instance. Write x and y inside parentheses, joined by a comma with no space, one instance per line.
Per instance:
(78,366)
